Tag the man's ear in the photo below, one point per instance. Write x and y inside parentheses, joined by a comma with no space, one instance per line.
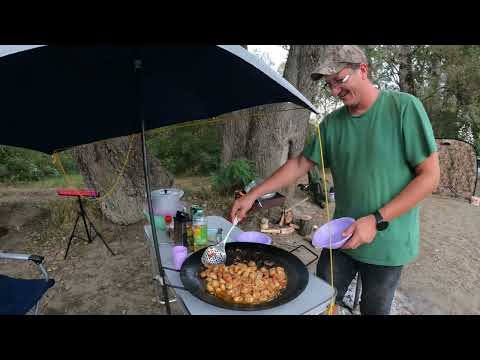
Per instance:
(364,71)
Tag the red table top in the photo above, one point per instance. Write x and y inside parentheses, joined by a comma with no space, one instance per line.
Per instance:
(77,192)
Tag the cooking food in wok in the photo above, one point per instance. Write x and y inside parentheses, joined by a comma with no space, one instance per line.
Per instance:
(267,256)
(244,283)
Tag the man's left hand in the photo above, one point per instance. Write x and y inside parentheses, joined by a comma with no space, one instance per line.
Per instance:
(363,230)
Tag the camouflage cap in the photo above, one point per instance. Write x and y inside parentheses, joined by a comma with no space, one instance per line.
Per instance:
(336,57)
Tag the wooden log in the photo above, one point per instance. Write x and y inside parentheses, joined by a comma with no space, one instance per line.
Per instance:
(288,217)
(305,224)
(264,224)
(282,231)
(281,221)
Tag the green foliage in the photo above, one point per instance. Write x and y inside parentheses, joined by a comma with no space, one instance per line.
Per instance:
(191,150)
(21,165)
(234,176)
(445,77)
(68,162)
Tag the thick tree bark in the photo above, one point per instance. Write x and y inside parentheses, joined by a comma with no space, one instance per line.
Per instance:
(100,164)
(235,134)
(235,131)
(406,75)
(269,135)
(434,90)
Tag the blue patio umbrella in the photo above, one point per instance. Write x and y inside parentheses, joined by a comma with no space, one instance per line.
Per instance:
(53,98)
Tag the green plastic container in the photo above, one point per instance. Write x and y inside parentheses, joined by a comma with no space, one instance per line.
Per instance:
(159,221)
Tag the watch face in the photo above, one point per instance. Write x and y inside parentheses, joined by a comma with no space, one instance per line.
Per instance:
(382,225)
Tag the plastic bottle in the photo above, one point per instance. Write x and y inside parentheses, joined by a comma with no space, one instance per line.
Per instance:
(200,229)
(190,233)
(169,225)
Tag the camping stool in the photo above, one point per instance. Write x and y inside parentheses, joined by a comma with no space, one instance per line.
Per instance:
(356,300)
(358,289)
(22,296)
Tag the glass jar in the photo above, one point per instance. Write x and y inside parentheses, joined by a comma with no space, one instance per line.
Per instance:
(199,229)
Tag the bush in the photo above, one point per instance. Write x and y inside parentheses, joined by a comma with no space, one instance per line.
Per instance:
(235,176)
(20,165)
(187,151)
(68,162)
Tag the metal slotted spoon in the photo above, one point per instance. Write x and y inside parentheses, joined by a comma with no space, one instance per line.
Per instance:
(216,255)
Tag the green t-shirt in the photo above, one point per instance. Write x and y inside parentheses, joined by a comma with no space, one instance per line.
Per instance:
(372,158)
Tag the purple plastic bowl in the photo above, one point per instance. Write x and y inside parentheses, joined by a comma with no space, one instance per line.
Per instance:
(179,254)
(254,237)
(321,237)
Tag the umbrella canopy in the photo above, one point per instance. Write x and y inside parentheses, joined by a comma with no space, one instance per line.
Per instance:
(53,97)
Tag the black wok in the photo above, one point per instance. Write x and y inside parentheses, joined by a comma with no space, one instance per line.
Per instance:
(263,255)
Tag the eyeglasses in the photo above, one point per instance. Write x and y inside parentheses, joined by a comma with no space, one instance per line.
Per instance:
(336,82)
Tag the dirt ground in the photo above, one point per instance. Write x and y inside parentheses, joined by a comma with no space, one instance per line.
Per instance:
(443,280)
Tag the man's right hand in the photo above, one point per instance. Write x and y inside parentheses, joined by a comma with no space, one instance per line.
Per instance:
(283,176)
(241,206)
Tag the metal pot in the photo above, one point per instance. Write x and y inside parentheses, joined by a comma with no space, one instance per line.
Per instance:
(166,201)
(256,182)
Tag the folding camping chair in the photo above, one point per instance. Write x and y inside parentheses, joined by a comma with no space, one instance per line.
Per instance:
(22,296)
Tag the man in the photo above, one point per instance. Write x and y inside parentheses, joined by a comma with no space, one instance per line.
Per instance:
(382,154)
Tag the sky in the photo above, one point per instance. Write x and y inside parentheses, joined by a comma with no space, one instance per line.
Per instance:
(9,49)
(275,52)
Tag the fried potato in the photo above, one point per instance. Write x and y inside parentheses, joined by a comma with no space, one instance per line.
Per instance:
(244,283)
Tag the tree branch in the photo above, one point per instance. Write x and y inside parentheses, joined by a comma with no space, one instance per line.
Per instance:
(434,93)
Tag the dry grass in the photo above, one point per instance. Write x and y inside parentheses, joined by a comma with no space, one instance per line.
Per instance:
(54,182)
(198,191)
(193,183)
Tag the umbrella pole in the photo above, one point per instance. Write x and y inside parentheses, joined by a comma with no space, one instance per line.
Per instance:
(138,72)
(152,220)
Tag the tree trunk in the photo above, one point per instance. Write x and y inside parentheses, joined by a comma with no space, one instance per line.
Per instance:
(406,76)
(100,164)
(431,103)
(305,223)
(235,133)
(271,134)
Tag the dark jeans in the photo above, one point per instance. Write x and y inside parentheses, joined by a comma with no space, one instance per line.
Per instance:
(378,282)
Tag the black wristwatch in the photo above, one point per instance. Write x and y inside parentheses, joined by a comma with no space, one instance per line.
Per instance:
(381,224)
